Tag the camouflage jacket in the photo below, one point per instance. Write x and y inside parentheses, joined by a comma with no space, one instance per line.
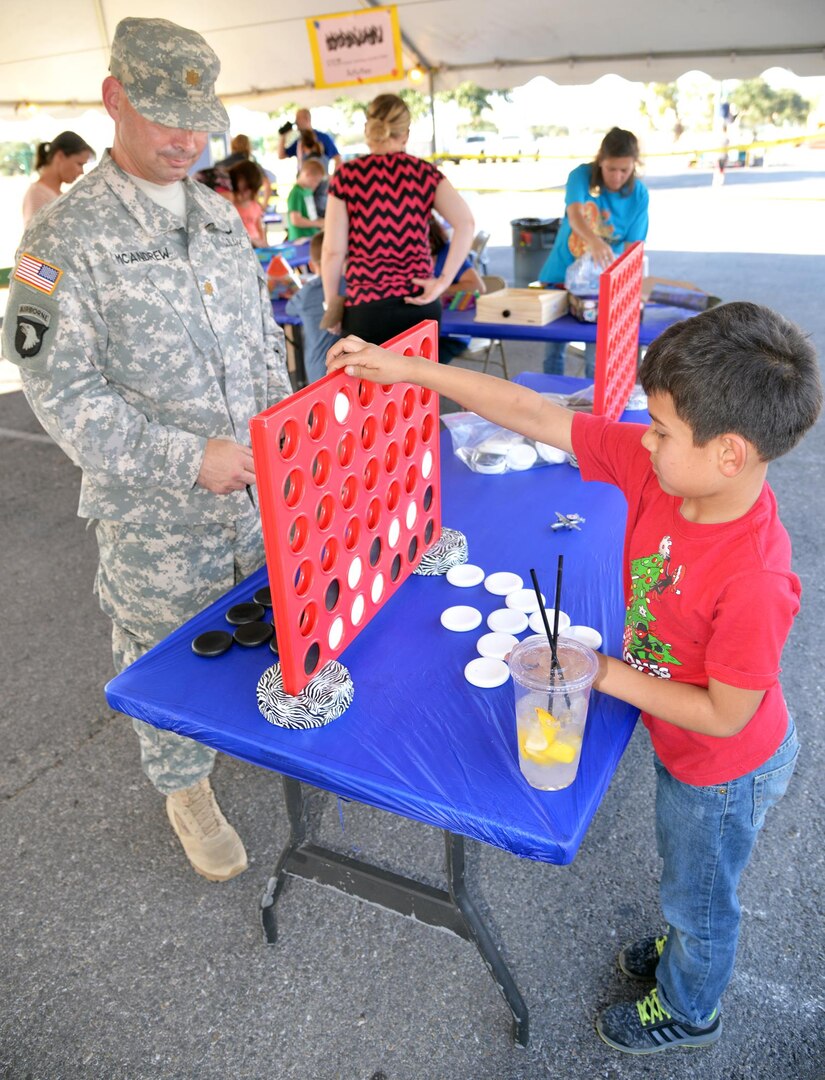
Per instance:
(138,340)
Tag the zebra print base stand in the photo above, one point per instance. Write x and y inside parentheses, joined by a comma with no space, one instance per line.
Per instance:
(322,700)
(450,549)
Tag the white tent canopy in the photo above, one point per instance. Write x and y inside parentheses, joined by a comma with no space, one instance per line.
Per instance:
(55,52)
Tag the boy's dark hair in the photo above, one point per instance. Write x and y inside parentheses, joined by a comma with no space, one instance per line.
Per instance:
(617,143)
(250,173)
(738,368)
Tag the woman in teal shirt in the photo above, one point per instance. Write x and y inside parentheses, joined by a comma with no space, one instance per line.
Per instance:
(605,211)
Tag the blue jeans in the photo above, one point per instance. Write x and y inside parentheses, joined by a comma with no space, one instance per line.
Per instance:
(554,358)
(705,836)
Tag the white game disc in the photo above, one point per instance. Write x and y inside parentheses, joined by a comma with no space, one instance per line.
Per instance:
(537,623)
(502,583)
(523,600)
(506,621)
(465,575)
(551,454)
(460,618)
(486,672)
(521,456)
(496,646)
(585,634)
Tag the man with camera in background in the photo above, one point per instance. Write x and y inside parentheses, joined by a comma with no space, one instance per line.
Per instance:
(305,145)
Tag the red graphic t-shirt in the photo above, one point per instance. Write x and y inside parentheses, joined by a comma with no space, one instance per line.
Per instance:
(703,601)
(389,198)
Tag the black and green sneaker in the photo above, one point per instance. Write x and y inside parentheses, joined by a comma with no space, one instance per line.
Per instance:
(646,1027)
(640,959)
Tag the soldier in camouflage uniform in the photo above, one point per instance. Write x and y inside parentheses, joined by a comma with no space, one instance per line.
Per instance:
(142,327)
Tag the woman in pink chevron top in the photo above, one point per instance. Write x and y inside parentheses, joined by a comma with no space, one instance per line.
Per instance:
(377,220)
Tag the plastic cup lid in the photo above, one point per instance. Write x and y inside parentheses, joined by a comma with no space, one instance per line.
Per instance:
(212,643)
(245,613)
(537,623)
(585,634)
(465,575)
(460,618)
(551,454)
(253,633)
(523,600)
(506,621)
(496,645)
(502,583)
(521,456)
(486,672)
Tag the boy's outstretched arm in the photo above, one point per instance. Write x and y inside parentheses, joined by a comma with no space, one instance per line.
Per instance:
(502,402)
(720,710)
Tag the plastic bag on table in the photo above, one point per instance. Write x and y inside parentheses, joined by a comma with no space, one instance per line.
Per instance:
(485,447)
(582,276)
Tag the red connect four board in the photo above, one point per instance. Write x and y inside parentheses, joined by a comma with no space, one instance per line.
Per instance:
(617,332)
(349,487)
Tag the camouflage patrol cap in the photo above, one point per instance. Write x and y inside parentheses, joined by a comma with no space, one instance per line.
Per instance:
(168,73)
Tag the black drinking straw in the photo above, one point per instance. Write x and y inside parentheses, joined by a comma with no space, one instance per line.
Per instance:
(552,636)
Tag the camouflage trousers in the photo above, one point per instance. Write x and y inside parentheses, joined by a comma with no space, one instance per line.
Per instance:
(152,578)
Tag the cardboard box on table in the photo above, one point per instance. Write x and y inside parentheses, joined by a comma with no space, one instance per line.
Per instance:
(529,307)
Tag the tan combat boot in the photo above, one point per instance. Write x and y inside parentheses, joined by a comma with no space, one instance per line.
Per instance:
(211,844)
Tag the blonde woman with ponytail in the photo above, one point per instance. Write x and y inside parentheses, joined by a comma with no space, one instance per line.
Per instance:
(377,220)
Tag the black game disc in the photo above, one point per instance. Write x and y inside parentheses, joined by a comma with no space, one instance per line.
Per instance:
(244,613)
(254,633)
(273,644)
(212,643)
(263,596)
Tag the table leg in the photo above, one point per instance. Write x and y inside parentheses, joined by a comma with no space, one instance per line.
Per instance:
(450,910)
(480,934)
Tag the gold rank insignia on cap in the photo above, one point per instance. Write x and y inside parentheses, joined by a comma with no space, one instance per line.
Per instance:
(208,288)
(193,77)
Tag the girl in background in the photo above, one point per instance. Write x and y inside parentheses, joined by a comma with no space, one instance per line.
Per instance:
(58,162)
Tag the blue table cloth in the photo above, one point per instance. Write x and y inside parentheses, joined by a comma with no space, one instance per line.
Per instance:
(419,740)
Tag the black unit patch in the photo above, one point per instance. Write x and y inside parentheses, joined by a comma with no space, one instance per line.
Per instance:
(32,323)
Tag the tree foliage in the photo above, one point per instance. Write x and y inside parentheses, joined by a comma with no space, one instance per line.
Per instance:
(755,102)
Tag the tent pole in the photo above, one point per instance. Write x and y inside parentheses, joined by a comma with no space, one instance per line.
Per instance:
(431,76)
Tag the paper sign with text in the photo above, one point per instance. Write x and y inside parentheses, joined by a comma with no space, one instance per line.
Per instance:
(356,47)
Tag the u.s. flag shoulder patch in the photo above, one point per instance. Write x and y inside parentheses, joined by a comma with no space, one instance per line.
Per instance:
(40,275)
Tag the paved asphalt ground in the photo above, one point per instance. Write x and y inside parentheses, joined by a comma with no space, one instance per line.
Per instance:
(119,963)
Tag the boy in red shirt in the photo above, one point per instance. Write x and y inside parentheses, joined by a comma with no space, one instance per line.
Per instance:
(711,598)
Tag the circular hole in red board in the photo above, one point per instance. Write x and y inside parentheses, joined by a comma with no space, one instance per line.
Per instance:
(288,439)
(391,457)
(329,554)
(308,619)
(303,578)
(375,551)
(352,533)
(373,514)
(325,511)
(346,449)
(366,392)
(390,418)
(371,474)
(393,495)
(410,442)
(369,431)
(349,492)
(298,533)
(321,467)
(317,421)
(408,403)
(313,655)
(429,529)
(395,568)
(332,594)
(411,479)
(293,487)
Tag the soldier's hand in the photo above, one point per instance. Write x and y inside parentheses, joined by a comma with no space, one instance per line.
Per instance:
(226,466)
